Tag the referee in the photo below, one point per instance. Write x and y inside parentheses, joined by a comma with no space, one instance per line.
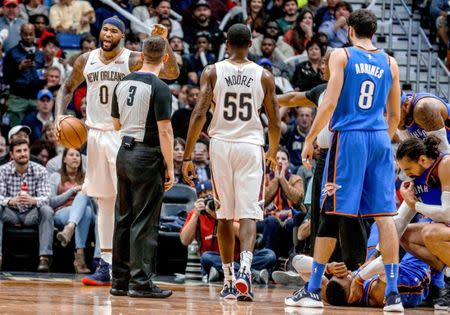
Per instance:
(141,110)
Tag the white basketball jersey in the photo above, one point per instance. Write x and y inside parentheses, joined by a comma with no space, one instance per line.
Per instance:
(238,97)
(101,80)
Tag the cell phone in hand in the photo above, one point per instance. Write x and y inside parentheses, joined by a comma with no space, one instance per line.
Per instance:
(30,56)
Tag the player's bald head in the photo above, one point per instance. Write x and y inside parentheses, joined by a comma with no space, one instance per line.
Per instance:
(154,49)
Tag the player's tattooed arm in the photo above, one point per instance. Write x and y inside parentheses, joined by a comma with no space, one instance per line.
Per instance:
(70,84)
(270,103)
(198,117)
(428,115)
(170,70)
(135,61)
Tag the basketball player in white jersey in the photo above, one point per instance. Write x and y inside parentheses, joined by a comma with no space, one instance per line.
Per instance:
(236,88)
(102,69)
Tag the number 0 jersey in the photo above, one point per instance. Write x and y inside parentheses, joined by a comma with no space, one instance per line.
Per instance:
(101,79)
(366,87)
(238,97)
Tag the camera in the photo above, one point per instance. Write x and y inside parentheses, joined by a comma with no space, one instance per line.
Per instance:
(209,203)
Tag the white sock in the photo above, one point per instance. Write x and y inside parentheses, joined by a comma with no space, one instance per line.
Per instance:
(246,261)
(107,257)
(228,272)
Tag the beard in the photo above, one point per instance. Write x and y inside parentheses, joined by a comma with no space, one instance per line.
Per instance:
(111,47)
(22,161)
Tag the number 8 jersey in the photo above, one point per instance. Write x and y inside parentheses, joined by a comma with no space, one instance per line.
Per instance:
(366,87)
(101,79)
(238,97)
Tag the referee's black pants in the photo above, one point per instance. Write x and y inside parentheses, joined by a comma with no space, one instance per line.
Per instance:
(352,241)
(140,176)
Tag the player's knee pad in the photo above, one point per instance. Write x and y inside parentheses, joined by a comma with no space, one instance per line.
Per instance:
(329,226)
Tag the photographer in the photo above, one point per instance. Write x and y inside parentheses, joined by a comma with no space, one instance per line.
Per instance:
(21,67)
(201,224)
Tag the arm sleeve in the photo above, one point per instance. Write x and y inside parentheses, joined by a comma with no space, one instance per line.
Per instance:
(437,213)
(115,105)
(403,218)
(162,101)
(314,94)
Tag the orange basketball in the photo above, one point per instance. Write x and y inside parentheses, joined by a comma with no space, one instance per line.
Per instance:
(72,132)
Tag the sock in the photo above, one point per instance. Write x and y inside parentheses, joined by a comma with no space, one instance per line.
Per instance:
(316,276)
(228,272)
(107,257)
(437,278)
(246,261)
(391,278)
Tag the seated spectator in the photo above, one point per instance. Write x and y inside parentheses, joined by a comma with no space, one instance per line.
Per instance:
(24,196)
(50,48)
(284,193)
(162,10)
(187,72)
(104,11)
(279,67)
(4,151)
(132,42)
(275,9)
(87,43)
(41,24)
(142,12)
(31,7)
(290,14)
(81,12)
(73,209)
(325,13)
(11,22)
(200,158)
(43,151)
(202,46)
(49,136)
(301,32)
(337,29)
(307,74)
(21,72)
(52,77)
(44,113)
(201,224)
(256,18)
(282,49)
(322,39)
(439,12)
(178,152)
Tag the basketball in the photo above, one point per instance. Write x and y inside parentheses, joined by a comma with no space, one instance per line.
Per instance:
(72,132)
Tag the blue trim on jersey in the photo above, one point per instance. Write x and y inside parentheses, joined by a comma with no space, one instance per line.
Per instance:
(366,87)
(414,129)
(427,188)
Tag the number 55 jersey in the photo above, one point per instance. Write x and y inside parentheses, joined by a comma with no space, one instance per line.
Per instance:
(238,97)
(367,83)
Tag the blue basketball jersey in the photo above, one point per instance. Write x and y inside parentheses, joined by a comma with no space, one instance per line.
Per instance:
(428,188)
(414,129)
(367,84)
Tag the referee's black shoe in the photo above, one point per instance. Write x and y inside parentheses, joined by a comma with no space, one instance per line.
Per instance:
(154,292)
(118,292)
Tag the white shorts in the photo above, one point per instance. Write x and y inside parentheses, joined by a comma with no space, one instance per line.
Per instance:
(101,176)
(238,179)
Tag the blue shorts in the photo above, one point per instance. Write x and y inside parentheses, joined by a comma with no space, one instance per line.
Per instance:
(413,281)
(359,176)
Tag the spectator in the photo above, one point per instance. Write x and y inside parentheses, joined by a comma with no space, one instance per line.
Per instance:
(73,209)
(41,24)
(187,73)
(201,224)
(202,46)
(87,43)
(275,9)
(49,136)
(256,17)
(4,151)
(284,192)
(43,151)
(282,49)
(19,132)
(279,67)
(31,7)
(301,32)
(132,42)
(200,158)
(178,152)
(290,15)
(143,13)
(307,74)
(11,22)
(295,134)
(24,196)
(325,13)
(52,77)
(36,119)
(439,12)
(202,21)
(282,85)
(104,12)
(322,39)
(180,119)
(50,47)
(162,10)
(81,12)
(337,29)
(21,72)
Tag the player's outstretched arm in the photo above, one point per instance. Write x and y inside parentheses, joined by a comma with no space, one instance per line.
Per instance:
(294,99)
(393,102)
(170,70)
(70,84)
(272,110)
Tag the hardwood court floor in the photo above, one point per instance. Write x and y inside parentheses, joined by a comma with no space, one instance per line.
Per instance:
(71,297)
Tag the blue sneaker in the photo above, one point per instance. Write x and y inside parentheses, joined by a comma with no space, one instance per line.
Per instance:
(244,286)
(393,303)
(101,276)
(303,298)
(228,291)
